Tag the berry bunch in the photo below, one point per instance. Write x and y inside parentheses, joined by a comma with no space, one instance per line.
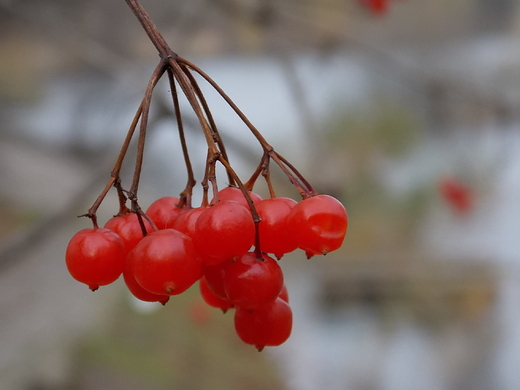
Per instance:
(228,244)
(212,245)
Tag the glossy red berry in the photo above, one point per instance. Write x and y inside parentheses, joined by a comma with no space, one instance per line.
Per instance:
(164,211)
(95,257)
(275,233)
(269,325)
(135,288)
(211,299)
(223,231)
(234,193)
(319,224)
(165,262)
(284,294)
(128,228)
(186,221)
(250,282)
(214,275)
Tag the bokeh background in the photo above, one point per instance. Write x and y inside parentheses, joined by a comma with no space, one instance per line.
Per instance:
(409,116)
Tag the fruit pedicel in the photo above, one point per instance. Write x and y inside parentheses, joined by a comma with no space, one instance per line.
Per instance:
(230,244)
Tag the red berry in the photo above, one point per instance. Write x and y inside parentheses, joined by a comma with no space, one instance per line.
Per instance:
(234,193)
(319,224)
(275,234)
(269,325)
(128,228)
(214,275)
(458,195)
(377,7)
(250,282)
(95,257)
(186,221)
(284,294)
(211,299)
(164,211)
(165,262)
(135,288)
(223,231)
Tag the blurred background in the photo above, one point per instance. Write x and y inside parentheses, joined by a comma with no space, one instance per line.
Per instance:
(409,114)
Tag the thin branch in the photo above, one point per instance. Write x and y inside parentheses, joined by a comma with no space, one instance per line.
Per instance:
(216,135)
(158,72)
(151,30)
(186,194)
(303,187)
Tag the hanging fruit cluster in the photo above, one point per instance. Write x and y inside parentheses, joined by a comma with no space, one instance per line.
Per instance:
(228,243)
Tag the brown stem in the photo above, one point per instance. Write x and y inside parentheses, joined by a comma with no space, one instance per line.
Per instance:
(241,186)
(186,194)
(141,216)
(156,75)
(126,143)
(123,209)
(204,182)
(302,185)
(179,70)
(167,54)
(267,176)
(188,91)
(151,30)
(245,192)
(216,135)
(230,102)
(114,177)
(211,168)
(214,153)
(252,180)
(310,190)
(91,213)
(304,190)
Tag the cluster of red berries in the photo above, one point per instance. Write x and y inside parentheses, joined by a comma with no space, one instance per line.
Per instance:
(212,245)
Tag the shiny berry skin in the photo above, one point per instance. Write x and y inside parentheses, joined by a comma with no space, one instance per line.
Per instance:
(186,221)
(128,228)
(165,262)
(319,224)
(135,288)
(95,257)
(214,275)
(164,211)
(250,282)
(234,193)
(275,233)
(224,231)
(211,299)
(284,294)
(269,325)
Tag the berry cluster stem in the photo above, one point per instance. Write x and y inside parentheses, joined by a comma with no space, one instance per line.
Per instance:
(192,92)
(181,73)
(186,194)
